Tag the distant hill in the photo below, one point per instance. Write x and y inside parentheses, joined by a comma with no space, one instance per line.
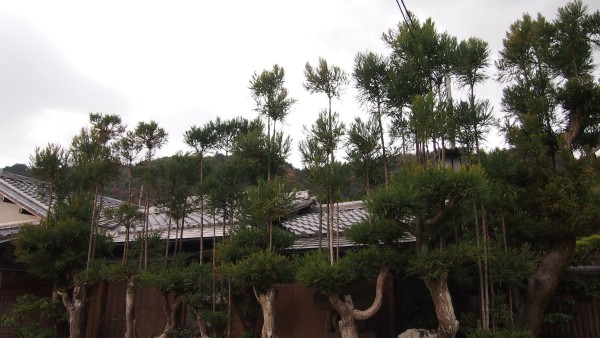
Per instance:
(19,169)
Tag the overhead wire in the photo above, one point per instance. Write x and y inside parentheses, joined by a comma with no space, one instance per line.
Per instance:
(408,25)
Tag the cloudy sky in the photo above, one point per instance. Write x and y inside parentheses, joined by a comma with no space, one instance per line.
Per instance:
(183,63)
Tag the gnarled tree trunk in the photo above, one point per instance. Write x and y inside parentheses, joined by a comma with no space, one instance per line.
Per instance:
(267,304)
(170,309)
(543,283)
(201,323)
(349,314)
(74,306)
(447,323)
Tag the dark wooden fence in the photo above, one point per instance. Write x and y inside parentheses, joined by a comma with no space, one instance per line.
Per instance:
(585,324)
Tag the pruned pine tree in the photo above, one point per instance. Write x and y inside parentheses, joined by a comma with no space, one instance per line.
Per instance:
(50,165)
(428,203)
(327,130)
(552,101)
(364,151)
(421,64)
(272,102)
(251,264)
(371,76)
(334,280)
(203,140)
(59,250)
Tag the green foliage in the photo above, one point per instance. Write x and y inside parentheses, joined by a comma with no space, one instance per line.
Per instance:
(261,270)
(217,320)
(514,266)
(314,270)
(34,317)
(176,276)
(324,78)
(500,333)
(270,95)
(265,203)
(183,332)
(246,240)
(57,250)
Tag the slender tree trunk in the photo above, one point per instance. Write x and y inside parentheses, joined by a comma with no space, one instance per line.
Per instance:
(320,225)
(381,139)
(510,295)
(543,283)
(74,306)
(130,307)
(168,239)
(267,304)
(92,230)
(442,301)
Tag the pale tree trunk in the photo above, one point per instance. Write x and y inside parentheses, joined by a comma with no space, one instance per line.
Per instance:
(447,323)
(267,304)
(130,307)
(543,284)
(349,314)
(170,310)
(201,324)
(74,306)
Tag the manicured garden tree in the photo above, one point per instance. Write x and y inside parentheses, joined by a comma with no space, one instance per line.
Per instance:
(431,204)
(251,252)
(50,165)
(371,80)
(130,216)
(327,130)
(314,159)
(334,280)
(273,103)
(56,253)
(198,296)
(323,138)
(259,156)
(59,251)
(172,281)
(203,140)
(176,179)
(421,62)
(552,104)
(364,151)
(152,137)
(252,265)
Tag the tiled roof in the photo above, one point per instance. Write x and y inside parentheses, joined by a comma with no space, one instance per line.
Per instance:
(28,193)
(307,225)
(345,215)
(25,192)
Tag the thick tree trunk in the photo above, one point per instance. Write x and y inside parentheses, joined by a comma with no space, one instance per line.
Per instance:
(349,314)
(170,310)
(267,304)
(447,323)
(543,283)
(74,306)
(129,308)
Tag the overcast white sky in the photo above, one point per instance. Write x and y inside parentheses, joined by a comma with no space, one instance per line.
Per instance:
(183,63)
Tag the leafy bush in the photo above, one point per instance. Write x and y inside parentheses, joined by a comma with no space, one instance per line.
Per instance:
(34,317)
(500,333)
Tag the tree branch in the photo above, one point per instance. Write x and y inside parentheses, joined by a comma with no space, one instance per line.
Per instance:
(367,313)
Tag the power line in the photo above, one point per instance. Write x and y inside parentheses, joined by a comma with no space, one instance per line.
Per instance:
(408,25)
